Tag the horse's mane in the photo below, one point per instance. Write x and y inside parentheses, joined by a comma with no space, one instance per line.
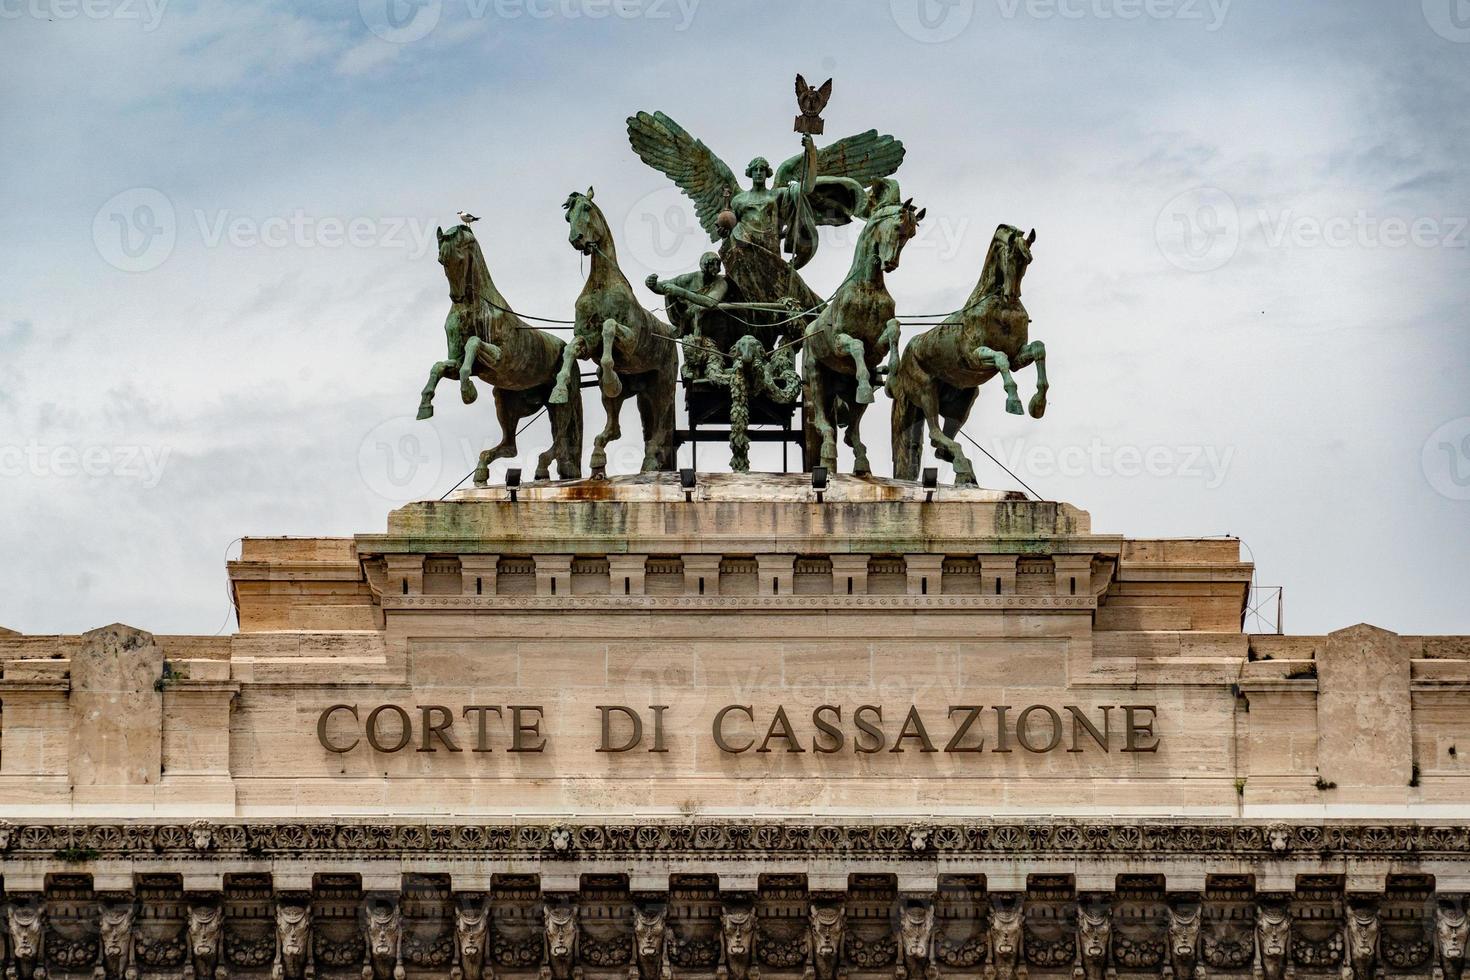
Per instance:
(484,286)
(992,273)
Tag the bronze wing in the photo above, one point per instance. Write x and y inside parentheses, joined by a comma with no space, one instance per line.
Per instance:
(864,158)
(666,147)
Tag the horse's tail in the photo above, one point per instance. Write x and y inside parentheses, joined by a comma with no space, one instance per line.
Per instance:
(908,425)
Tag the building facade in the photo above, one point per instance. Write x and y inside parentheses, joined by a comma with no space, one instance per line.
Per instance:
(623,729)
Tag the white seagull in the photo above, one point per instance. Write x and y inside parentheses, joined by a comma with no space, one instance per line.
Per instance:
(467,218)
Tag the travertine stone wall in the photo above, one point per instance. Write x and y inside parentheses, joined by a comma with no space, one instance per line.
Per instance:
(873,654)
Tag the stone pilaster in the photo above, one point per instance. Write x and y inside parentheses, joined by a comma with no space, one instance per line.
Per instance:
(477,574)
(553,574)
(774,574)
(997,568)
(706,567)
(925,573)
(405,574)
(850,568)
(625,574)
(1073,574)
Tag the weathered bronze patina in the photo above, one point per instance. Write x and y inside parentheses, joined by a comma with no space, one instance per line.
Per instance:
(487,341)
(942,369)
(635,351)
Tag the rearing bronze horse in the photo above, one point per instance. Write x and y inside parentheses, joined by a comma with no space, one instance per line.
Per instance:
(941,370)
(635,350)
(853,336)
(520,363)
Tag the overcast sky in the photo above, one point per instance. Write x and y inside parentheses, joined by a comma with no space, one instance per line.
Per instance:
(220,298)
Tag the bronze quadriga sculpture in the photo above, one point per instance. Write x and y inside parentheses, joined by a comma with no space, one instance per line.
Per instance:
(487,341)
(635,351)
(942,369)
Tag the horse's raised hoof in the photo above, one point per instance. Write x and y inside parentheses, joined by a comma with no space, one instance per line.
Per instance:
(864,393)
(611,384)
(1013,405)
(426,411)
(467,392)
(1038,405)
(558,396)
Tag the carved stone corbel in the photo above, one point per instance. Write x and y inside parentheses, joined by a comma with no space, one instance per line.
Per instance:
(1273,943)
(737,944)
(26,926)
(1185,923)
(824,951)
(295,959)
(383,948)
(1003,960)
(115,962)
(206,926)
(1094,944)
(1360,944)
(1451,933)
(650,945)
(916,943)
(560,961)
(471,944)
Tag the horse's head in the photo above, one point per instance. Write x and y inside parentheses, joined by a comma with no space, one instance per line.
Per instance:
(891,228)
(463,262)
(1006,262)
(589,229)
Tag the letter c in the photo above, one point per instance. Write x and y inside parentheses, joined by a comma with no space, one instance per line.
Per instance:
(720,723)
(321,728)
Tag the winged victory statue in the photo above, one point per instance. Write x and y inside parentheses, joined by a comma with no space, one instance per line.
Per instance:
(768,231)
